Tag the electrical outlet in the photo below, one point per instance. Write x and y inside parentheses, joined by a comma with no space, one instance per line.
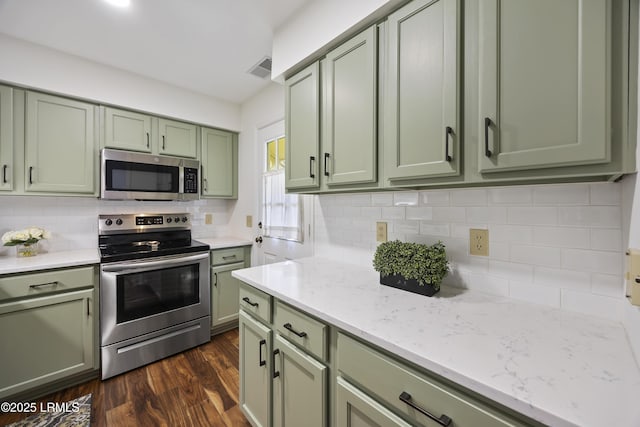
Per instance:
(381,231)
(249,221)
(478,242)
(208,219)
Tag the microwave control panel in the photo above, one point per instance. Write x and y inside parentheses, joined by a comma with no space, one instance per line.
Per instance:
(191,180)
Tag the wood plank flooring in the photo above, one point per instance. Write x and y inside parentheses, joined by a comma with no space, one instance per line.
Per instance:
(198,387)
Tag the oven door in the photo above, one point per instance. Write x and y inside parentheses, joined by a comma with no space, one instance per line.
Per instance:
(142,296)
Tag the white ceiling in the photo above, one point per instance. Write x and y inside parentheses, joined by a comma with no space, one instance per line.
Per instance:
(206,46)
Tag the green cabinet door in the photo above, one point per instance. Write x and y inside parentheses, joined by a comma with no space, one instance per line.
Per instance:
(45,339)
(255,371)
(224,294)
(219,164)
(127,130)
(302,129)
(422,91)
(177,138)
(355,408)
(349,120)
(60,145)
(299,388)
(544,83)
(6,138)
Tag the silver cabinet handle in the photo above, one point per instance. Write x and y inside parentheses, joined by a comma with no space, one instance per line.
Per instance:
(38,286)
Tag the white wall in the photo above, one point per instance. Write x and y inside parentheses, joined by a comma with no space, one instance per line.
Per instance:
(27,64)
(263,109)
(318,24)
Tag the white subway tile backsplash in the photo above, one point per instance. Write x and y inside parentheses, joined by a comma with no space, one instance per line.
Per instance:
(382,199)
(592,261)
(393,213)
(606,193)
(473,197)
(498,250)
(487,215)
(561,237)
(420,213)
(450,214)
(566,194)
(532,215)
(535,255)
(512,271)
(405,198)
(513,196)
(510,233)
(591,216)
(607,285)
(606,239)
(435,198)
(559,278)
(407,227)
(594,305)
(432,229)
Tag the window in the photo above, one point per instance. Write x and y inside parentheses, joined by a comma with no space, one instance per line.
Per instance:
(282,212)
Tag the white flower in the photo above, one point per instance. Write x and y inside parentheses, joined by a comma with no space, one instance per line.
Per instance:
(46,234)
(20,235)
(6,237)
(35,232)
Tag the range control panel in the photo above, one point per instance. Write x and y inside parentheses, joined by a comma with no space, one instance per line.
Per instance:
(131,223)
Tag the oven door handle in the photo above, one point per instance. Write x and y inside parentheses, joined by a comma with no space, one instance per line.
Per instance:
(134,266)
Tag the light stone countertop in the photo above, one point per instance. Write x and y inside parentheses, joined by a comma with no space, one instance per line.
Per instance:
(560,368)
(224,242)
(9,263)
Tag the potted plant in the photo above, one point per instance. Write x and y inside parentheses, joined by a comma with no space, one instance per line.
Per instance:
(414,267)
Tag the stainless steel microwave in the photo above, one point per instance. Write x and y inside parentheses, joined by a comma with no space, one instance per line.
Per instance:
(126,175)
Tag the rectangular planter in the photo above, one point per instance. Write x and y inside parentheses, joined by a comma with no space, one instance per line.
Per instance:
(411,285)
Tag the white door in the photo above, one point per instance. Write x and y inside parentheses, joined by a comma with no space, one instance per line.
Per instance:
(285,221)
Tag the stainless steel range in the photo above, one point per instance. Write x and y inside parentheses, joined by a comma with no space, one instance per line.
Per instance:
(154,289)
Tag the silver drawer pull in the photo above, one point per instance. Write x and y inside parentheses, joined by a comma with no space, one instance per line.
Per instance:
(229,257)
(443,420)
(56,283)
(288,327)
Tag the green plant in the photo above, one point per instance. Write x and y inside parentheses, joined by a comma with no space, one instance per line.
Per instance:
(427,264)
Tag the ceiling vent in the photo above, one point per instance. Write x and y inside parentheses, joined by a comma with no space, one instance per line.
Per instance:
(262,69)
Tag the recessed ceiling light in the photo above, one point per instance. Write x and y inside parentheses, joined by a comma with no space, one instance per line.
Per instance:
(119,3)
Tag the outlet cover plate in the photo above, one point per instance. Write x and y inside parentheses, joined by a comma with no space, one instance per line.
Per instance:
(381,231)
(478,242)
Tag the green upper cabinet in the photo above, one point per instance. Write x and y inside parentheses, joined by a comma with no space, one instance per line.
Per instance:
(544,83)
(219,164)
(422,91)
(6,138)
(349,88)
(302,129)
(60,145)
(127,130)
(177,138)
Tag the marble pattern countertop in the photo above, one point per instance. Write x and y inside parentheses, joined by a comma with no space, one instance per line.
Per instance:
(225,242)
(10,264)
(560,368)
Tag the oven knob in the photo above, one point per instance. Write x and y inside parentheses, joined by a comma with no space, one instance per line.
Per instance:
(169,220)
(118,221)
(185,219)
(176,219)
(108,222)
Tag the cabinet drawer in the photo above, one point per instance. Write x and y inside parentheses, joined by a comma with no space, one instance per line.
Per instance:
(227,256)
(255,302)
(393,380)
(38,284)
(301,329)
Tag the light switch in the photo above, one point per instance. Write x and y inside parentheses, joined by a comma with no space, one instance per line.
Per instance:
(381,231)
(208,219)
(249,221)
(633,275)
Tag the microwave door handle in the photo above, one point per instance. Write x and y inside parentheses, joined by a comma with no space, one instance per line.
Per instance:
(133,266)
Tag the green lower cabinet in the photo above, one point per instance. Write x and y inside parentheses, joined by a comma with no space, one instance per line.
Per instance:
(255,371)
(355,409)
(45,339)
(224,294)
(299,387)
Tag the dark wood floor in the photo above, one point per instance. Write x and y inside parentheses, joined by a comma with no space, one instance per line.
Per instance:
(196,388)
